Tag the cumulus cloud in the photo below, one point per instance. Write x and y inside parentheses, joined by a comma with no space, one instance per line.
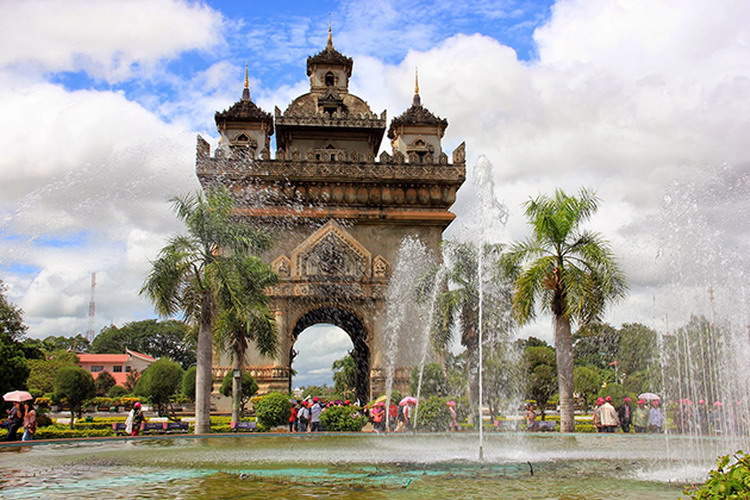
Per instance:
(109,40)
(641,102)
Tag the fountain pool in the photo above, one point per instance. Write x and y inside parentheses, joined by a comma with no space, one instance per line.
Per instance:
(358,465)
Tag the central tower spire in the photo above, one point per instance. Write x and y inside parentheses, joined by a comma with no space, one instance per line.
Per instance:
(246,88)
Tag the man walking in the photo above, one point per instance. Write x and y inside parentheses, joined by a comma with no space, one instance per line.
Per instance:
(315,410)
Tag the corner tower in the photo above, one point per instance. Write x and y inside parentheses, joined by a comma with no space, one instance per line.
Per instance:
(244,128)
(417,133)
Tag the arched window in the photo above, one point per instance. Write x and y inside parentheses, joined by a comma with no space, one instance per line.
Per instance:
(242,138)
(330,79)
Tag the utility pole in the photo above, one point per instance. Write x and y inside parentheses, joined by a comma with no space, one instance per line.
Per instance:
(92,309)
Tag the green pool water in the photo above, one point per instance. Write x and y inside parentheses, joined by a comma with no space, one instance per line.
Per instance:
(353,466)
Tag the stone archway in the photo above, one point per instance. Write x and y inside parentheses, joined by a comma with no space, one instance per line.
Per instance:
(354,327)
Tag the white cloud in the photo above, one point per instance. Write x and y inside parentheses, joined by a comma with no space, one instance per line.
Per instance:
(108,39)
(626,98)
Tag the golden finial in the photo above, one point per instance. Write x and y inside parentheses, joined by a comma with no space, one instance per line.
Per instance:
(246,89)
(416,81)
(329,45)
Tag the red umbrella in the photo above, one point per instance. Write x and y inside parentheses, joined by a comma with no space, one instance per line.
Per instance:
(19,396)
(408,400)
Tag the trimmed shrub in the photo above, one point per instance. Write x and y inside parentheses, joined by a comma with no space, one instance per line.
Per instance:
(188,383)
(248,386)
(116,392)
(272,409)
(433,414)
(343,419)
(159,383)
(104,382)
(74,385)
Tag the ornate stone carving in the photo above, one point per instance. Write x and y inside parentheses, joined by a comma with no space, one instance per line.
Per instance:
(282,266)
(459,154)
(380,267)
(331,253)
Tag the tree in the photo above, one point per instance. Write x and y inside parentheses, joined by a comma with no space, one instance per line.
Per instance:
(159,383)
(459,304)
(434,382)
(245,318)
(188,383)
(586,382)
(539,365)
(248,390)
(74,386)
(13,369)
(77,343)
(596,344)
(131,380)
(198,272)
(638,350)
(567,271)
(104,382)
(345,376)
(43,372)
(272,409)
(161,339)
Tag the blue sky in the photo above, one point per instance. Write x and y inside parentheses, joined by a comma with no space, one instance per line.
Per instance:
(102,101)
(274,39)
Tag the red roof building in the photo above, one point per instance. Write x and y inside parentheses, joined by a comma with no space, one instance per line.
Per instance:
(118,365)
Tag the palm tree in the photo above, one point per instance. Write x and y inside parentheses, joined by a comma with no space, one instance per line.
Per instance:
(459,302)
(567,271)
(201,274)
(246,318)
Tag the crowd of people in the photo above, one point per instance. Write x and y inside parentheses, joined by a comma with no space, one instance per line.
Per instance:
(647,416)
(21,415)
(305,414)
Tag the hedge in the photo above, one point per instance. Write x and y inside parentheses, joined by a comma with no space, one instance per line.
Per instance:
(342,419)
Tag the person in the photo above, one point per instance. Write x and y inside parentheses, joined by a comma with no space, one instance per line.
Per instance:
(596,418)
(378,417)
(293,417)
(625,414)
(640,417)
(655,417)
(702,415)
(315,410)
(393,416)
(453,426)
(134,420)
(14,421)
(530,417)
(29,421)
(303,415)
(608,416)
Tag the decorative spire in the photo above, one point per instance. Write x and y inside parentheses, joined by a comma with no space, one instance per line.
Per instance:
(329,45)
(246,89)
(417,101)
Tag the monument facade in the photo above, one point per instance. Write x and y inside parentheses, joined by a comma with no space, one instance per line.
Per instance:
(336,208)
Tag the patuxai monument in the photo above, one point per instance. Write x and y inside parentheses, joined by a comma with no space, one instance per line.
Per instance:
(337,209)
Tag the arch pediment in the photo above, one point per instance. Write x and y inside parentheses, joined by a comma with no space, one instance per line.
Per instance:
(331,252)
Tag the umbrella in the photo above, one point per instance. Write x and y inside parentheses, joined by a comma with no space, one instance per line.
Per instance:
(408,400)
(17,396)
(451,403)
(381,398)
(649,396)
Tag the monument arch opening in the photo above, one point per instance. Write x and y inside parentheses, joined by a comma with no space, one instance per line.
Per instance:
(348,322)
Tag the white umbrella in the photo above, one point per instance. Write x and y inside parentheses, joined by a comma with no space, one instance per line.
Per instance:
(17,396)
(649,396)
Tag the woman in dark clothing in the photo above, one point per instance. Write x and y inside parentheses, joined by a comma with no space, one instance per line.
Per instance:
(14,422)
(625,414)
